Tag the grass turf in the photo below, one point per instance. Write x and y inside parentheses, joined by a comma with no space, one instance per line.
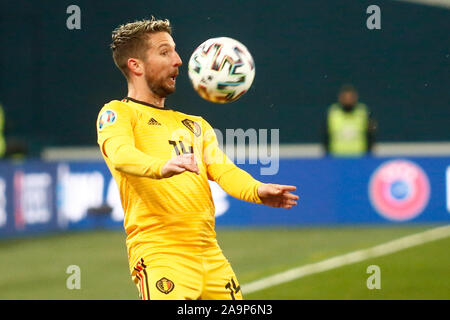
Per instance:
(35,268)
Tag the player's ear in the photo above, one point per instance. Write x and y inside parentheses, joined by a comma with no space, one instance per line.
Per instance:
(135,66)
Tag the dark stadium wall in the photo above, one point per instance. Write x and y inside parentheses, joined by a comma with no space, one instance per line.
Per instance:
(53,80)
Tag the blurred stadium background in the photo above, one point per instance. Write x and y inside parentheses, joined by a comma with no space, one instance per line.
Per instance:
(59,207)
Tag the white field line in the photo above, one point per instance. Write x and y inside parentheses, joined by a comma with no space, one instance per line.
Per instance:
(349,258)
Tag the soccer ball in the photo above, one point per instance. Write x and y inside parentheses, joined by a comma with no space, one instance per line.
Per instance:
(221,70)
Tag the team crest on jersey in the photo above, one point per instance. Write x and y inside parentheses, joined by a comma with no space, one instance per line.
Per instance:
(165,285)
(106,118)
(193,126)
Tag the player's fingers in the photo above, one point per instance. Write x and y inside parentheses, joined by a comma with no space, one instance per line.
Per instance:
(273,190)
(171,168)
(191,167)
(283,187)
(291,196)
(178,169)
(187,162)
(190,160)
(290,202)
(186,158)
(187,165)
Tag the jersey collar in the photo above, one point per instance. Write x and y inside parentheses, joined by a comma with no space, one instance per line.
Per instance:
(127,99)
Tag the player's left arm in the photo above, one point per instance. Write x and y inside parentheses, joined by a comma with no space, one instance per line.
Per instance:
(237,182)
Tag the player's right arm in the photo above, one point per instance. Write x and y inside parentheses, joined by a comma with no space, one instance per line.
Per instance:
(115,124)
(116,141)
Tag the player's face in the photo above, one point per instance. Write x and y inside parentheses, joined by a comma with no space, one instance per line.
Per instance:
(161,64)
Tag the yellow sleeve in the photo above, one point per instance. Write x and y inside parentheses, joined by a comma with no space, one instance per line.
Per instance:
(115,138)
(235,181)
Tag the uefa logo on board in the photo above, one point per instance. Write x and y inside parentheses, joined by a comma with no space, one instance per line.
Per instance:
(399,190)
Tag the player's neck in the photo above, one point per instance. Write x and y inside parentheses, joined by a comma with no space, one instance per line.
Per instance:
(146,95)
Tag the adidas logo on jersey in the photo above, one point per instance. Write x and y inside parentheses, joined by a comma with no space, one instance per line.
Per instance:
(153,121)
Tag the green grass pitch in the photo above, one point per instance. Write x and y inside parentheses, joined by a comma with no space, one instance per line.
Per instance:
(35,268)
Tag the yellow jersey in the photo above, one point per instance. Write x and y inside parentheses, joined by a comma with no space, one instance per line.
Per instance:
(173,214)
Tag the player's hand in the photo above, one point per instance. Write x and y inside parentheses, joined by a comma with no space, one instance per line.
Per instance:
(180,164)
(277,195)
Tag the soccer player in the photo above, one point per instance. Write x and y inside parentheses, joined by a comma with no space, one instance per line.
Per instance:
(161,160)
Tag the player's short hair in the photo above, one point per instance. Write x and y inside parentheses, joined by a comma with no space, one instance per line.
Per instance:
(129,40)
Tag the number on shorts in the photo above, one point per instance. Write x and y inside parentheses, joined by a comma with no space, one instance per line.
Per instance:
(231,285)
